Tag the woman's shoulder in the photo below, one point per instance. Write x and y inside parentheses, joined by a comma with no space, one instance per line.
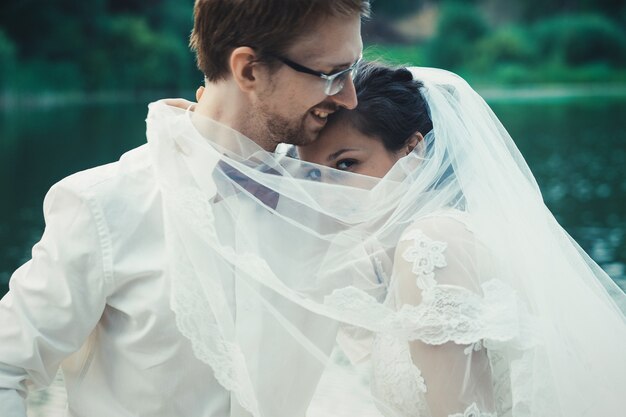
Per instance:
(438,249)
(446,225)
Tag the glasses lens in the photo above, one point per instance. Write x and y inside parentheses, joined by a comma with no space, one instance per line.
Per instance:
(355,70)
(337,85)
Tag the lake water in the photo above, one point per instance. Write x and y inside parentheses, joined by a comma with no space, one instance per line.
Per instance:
(575,146)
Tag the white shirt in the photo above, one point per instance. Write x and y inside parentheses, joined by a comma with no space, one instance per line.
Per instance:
(94,300)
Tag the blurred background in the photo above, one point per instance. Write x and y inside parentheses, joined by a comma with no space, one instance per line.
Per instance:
(76,77)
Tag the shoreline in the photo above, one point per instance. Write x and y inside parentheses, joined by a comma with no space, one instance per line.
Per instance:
(552,92)
(488,92)
(73,98)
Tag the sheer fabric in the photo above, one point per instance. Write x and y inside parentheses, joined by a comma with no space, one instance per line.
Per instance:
(448,280)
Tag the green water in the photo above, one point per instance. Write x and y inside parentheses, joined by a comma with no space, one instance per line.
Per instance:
(576,148)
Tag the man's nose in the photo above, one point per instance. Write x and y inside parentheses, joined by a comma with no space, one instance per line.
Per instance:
(347,96)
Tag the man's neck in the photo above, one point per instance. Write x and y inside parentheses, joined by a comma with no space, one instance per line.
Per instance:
(224,103)
(221,103)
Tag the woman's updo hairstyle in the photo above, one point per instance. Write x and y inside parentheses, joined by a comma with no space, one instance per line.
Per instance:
(390,105)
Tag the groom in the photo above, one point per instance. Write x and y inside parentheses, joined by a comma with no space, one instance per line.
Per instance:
(94,298)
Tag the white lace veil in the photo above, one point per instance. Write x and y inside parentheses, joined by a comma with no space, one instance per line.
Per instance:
(505,314)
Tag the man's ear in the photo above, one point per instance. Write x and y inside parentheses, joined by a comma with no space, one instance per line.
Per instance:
(243,61)
(416,140)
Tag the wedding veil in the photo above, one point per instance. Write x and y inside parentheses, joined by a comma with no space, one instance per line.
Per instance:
(271,258)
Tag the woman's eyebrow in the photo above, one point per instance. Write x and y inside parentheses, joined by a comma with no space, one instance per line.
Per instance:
(337,154)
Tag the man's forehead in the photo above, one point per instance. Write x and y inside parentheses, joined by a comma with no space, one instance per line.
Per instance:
(332,63)
(341,55)
(331,44)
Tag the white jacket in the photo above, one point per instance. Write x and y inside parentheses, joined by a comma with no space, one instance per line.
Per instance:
(94,300)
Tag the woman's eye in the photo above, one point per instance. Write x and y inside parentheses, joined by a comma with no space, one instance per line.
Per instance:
(345,164)
(314,175)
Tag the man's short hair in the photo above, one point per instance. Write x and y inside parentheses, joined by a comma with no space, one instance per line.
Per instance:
(268,26)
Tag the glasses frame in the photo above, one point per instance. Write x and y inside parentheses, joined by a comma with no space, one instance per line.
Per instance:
(328,78)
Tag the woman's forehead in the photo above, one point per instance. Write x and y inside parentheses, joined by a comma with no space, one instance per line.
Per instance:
(340,134)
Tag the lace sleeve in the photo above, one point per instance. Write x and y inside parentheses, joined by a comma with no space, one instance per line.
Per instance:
(438,251)
(437,268)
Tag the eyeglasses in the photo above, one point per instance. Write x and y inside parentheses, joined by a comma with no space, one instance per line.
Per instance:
(334,82)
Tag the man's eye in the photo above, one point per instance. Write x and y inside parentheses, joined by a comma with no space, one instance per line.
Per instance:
(345,164)
(314,174)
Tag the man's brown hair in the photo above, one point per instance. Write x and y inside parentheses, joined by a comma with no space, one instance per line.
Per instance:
(268,26)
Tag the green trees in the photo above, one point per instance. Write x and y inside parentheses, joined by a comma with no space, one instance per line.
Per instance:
(61,45)
(534,10)
(573,46)
(580,39)
(7,58)
(145,58)
(394,8)
(134,45)
(460,28)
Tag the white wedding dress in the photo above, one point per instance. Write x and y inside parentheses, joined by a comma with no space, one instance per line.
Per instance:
(440,275)
(449,273)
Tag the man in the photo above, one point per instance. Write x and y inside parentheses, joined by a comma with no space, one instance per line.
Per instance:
(94,299)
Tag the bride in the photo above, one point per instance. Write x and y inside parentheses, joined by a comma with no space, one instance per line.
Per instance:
(510,314)
(414,234)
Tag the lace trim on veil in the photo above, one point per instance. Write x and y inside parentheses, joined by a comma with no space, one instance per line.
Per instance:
(194,317)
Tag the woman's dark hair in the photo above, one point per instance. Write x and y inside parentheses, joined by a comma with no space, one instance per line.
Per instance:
(391,106)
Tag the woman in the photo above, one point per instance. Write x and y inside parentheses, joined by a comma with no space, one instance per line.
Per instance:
(418,231)
(454,254)
(437,378)
(390,121)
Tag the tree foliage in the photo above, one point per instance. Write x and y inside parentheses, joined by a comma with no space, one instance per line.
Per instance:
(581,46)
(533,10)
(395,8)
(460,27)
(100,44)
(580,39)
(136,45)
(7,57)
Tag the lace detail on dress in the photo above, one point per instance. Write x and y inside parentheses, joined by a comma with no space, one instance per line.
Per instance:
(473,411)
(426,254)
(451,313)
(397,381)
(447,313)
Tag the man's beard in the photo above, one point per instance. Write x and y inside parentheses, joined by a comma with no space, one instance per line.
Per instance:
(280,129)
